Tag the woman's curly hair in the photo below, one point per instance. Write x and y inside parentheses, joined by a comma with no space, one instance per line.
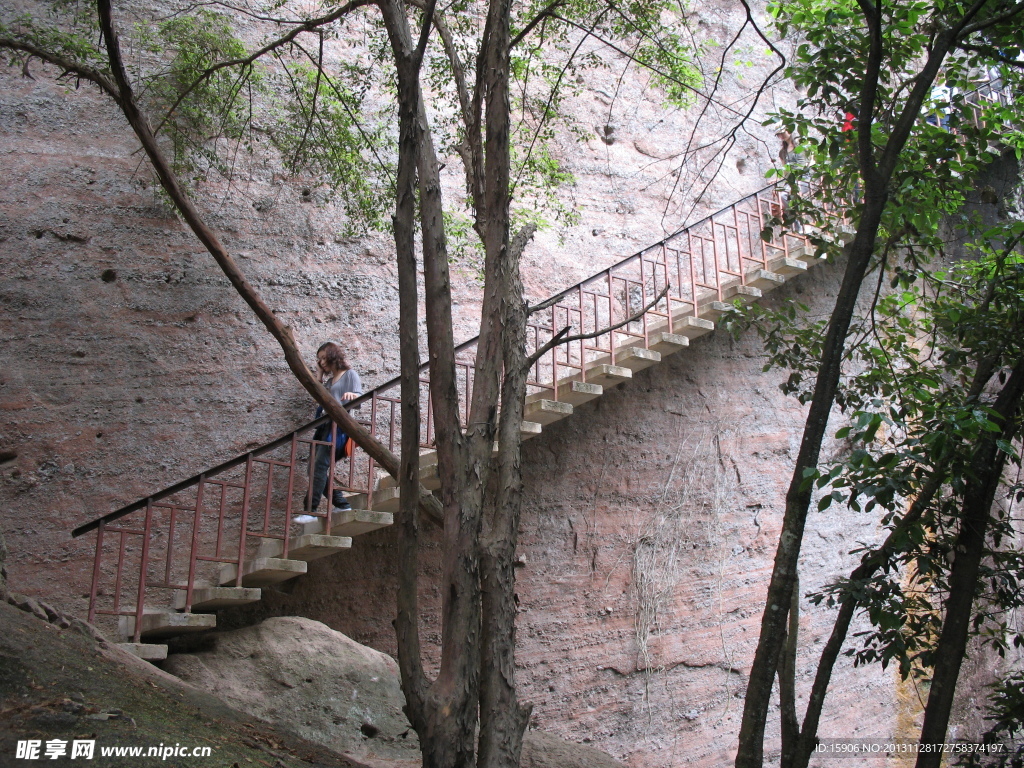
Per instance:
(334,357)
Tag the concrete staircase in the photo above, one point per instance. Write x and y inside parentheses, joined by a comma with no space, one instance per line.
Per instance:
(369,512)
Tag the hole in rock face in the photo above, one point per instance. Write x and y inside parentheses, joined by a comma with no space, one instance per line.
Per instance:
(108,275)
(368,730)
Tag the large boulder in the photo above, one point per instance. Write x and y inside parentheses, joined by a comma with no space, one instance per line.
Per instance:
(3,567)
(302,675)
(305,677)
(542,750)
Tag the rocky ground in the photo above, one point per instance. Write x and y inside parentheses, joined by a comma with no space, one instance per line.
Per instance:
(62,684)
(330,689)
(320,698)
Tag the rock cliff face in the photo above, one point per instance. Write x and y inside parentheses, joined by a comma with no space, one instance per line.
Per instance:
(651,517)
(128,362)
(649,527)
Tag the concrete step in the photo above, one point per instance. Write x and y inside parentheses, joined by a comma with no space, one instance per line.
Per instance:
(608,375)
(691,327)
(530,429)
(263,571)
(806,254)
(763,280)
(667,343)
(788,266)
(384,500)
(745,293)
(428,460)
(305,547)
(428,475)
(715,310)
(158,624)
(145,651)
(207,598)
(355,522)
(547,411)
(578,392)
(636,358)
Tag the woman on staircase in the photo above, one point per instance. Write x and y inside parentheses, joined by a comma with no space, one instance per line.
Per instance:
(344,384)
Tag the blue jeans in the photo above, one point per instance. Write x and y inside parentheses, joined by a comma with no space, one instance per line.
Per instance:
(321,471)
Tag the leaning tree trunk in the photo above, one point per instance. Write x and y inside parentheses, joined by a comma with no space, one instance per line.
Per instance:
(798,498)
(871,564)
(877,169)
(120,90)
(986,474)
(790,725)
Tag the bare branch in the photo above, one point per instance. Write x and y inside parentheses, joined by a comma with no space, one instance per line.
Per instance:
(421,46)
(307,26)
(646,64)
(458,69)
(67,65)
(352,116)
(551,97)
(544,13)
(561,338)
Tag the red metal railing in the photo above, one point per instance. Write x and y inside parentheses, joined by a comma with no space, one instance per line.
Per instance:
(185,534)
(169,542)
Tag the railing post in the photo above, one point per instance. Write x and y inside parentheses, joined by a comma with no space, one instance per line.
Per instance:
(331,457)
(611,314)
(244,524)
(120,572)
(172,522)
(96,571)
(288,499)
(196,521)
(140,602)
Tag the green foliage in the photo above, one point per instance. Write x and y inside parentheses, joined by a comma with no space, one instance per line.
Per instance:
(465,251)
(211,106)
(63,27)
(198,109)
(553,63)
(920,374)
(927,184)
(325,131)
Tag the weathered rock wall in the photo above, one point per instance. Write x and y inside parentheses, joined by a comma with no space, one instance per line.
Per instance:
(650,523)
(651,516)
(129,364)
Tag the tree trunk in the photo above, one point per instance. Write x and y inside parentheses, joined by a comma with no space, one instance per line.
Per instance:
(445,715)
(414,682)
(503,719)
(986,470)
(798,498)
(877,169)
(787,683)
